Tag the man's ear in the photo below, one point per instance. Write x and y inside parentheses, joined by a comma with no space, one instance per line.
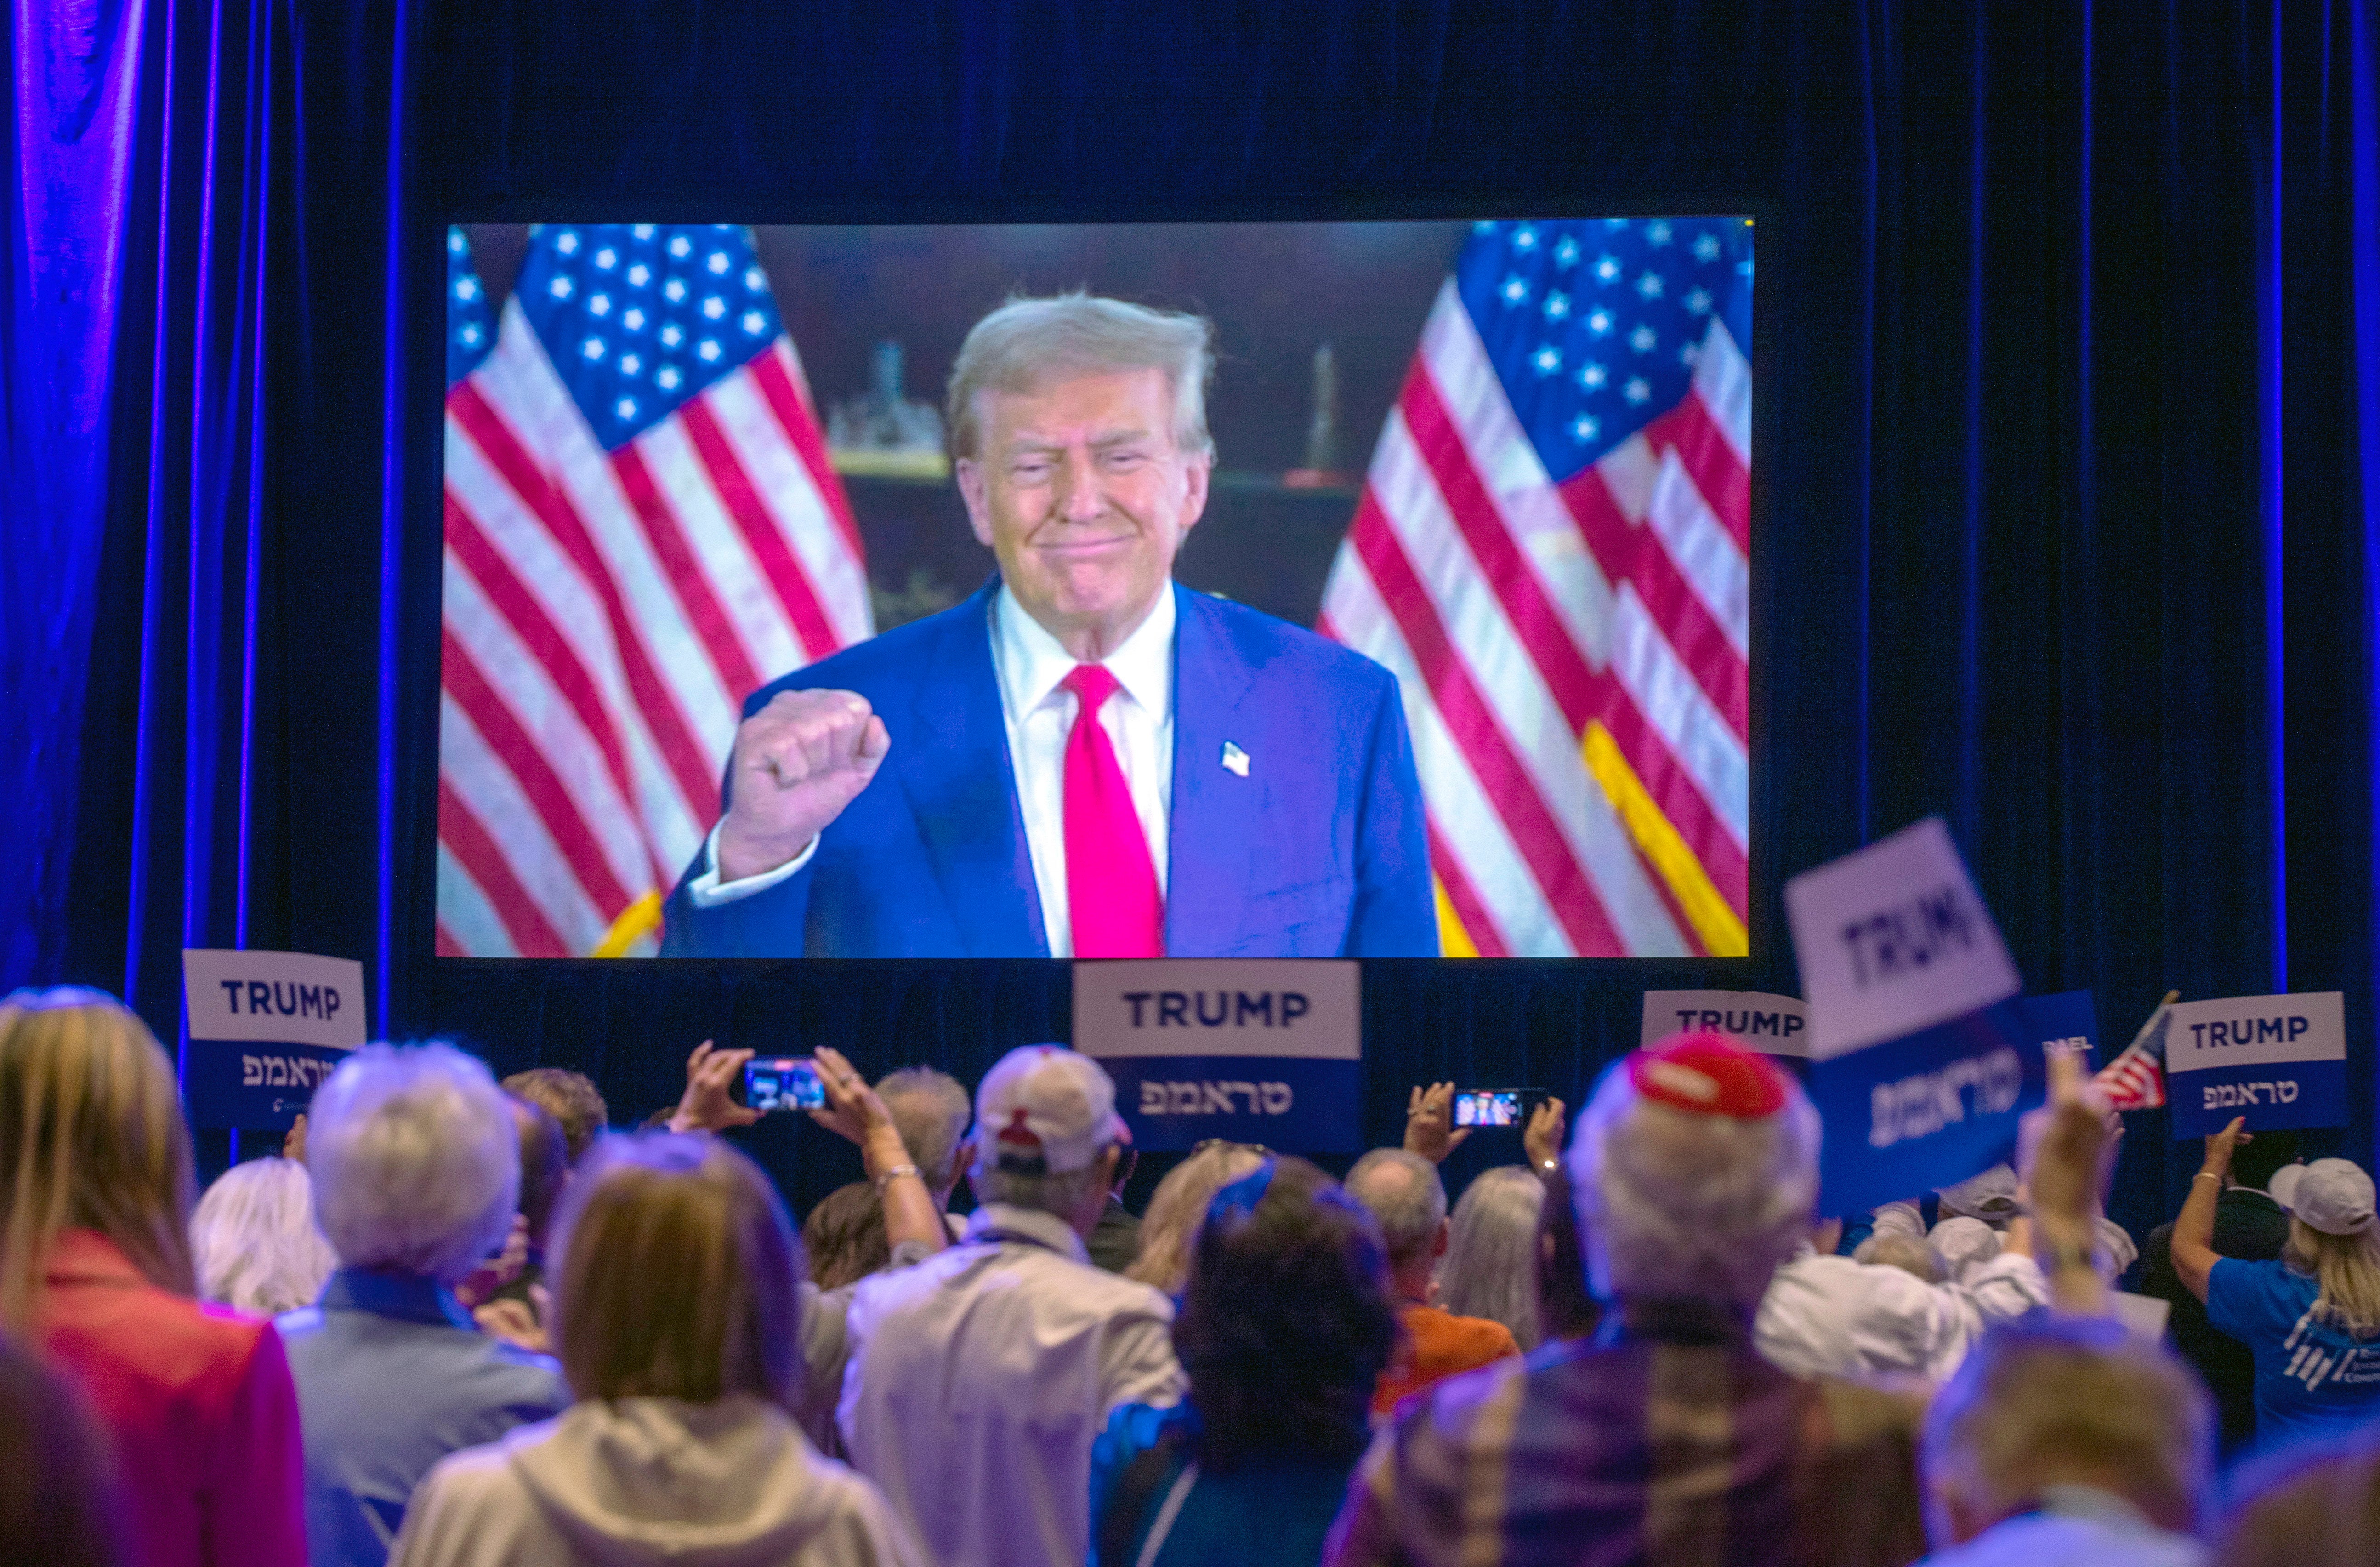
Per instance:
(1445,1237)
(1196,475)
(974,489)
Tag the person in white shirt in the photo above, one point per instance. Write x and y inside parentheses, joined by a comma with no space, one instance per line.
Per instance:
(2065,1442)
(979,1377)
(1828,1315)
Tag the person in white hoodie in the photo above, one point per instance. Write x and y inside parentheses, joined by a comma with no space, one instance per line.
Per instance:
(677,1325)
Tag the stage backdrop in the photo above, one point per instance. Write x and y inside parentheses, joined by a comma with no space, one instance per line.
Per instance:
(2071,336)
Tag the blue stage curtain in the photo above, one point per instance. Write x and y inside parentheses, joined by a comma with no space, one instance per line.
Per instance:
(2069,344)
(192,520)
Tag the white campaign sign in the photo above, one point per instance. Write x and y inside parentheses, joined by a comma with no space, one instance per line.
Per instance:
(292,998)
(1294,1007)
(1892,939)
(1772,1024)
(2256,1031)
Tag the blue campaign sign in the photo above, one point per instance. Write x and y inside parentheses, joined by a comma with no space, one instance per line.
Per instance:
(2279,1062)
(2067,1023)
(1263,1051)
(1178,1102)
(1925,1110)
(265,1028)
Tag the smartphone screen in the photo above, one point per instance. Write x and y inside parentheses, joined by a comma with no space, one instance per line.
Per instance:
(1487,1106)
(785,1082)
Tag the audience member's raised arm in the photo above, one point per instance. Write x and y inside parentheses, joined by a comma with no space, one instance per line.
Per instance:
(2193,1232)
(2062,1180)
(1429,1123)
(854,1110)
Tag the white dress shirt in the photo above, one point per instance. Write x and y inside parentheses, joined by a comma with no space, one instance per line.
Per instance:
(1028,663)
(1834,1317)
(979,1379)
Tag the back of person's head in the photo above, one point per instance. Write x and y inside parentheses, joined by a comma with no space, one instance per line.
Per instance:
(1566,1309)
(2065,1401)
(1286,1318)
(92,1137)
(1490,1265)
(930,1110)
(2334,1240)
(844,1238)
(2314,1506)
(571,1098)
(255,1240)
(1178,1207)
(1892,1249)
(1694,1168)
(1044,1121)
(544,1165)
(679,1275)
(1405,1195)
(415,1160)
(60,1505)
(2255,1159)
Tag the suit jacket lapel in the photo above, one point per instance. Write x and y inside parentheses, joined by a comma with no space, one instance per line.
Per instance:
(962,785)
(1207,843)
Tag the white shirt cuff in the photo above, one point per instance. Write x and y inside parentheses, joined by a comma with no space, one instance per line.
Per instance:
(707,890)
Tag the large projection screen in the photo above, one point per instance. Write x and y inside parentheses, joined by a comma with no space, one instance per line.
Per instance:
(1435,641)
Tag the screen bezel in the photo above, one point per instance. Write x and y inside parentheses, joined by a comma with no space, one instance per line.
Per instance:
(412,560)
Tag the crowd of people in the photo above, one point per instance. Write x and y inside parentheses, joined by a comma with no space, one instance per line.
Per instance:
(461,1322)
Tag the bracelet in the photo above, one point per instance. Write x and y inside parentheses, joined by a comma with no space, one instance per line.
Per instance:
(1549,1166)
(897,1171)
(2207,1176)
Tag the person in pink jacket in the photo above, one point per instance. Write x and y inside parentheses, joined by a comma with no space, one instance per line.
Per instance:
(95,1195)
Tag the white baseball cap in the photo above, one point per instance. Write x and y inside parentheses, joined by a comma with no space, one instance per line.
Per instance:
(1045,1110)
(1990,1197)
(2332,1196)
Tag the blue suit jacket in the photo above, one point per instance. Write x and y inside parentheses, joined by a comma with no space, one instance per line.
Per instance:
(1318,852)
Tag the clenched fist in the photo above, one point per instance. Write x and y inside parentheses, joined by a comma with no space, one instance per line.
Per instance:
(799,763)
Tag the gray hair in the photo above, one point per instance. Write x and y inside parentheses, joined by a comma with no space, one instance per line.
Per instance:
(2076,1399)
(1491,1266)
(1889,1249)
(1060,1191)
(1404,1194)
(415,1158)
(253,1239)
(930,1110)
(1026,343)
(1678,1206)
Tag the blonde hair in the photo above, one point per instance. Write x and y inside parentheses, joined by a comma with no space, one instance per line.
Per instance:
(2345,1269)
(679,1275)
(92,1137)
(255,1242)
(2073,1400)
(1169,1229)
(1025,344)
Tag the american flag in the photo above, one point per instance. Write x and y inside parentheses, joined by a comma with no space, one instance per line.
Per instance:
(2135,1080)
(1552,554)
(641,529)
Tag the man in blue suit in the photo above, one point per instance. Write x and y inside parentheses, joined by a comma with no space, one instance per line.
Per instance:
(1084,759)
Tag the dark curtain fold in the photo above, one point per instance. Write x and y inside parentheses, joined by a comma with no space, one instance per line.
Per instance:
(2067,451)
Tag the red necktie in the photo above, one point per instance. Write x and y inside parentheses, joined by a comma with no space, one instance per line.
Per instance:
(1111,897)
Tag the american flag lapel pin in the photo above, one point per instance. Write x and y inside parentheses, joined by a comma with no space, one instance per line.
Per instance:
(1235,760)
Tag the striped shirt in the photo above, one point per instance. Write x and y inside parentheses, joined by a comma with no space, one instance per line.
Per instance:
(1666,1440)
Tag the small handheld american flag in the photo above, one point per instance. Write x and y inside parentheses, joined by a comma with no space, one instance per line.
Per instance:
(2135,1080)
